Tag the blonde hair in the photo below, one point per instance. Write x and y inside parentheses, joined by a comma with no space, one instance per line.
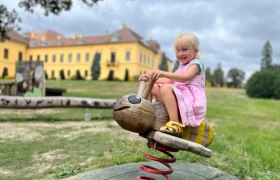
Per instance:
(187,39)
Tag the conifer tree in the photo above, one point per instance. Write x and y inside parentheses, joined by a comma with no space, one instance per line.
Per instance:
(126,77)
(176,65)
(218,76)
(163,64)
(209,76)
(95,68)
(267,59)
(62,75)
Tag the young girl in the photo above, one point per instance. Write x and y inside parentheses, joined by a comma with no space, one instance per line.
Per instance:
(182,92)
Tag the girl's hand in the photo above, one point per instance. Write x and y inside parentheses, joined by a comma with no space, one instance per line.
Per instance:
(157,74)
(144,77)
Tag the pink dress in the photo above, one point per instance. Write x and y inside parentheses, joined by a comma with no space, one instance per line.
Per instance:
(191,96)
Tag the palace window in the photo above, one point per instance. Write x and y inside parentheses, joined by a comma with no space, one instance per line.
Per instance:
(144,59)
(46,58)
(54,58)
(140,57)
(78,57)
(113,57)
(87,57)
(6,53)
(61,57)
(69,57)
(127,55)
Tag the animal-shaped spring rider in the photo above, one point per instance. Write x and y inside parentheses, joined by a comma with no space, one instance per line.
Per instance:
(137,114)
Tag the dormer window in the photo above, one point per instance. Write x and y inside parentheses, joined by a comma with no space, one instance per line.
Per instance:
(80,41)
(59,42)
(44,43)
(115,38)
(32,44)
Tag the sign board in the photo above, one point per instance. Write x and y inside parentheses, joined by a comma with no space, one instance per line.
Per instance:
(30,79)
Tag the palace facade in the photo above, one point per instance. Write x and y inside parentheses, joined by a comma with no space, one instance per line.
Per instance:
(122,53)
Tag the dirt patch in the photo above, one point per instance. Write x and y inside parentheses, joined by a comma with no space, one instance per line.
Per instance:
(30,112)
(5,172)
(28,131)
(17,131)
(44,161)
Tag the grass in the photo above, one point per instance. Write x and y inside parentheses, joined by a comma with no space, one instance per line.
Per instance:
(57,143)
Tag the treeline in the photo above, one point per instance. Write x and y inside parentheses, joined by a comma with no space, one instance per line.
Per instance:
(218,78)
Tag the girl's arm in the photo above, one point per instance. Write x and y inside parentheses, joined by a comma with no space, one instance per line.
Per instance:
(188,75)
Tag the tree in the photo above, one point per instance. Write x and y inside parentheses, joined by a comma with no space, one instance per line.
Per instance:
(78,75)
(176,65)
(10,20)
(209,76)
(5,73)
(126,77)
(46,75)
(236,77)
(95,68)
(163,64)
(218,76)
(267,59)
(61,74)
(110,76)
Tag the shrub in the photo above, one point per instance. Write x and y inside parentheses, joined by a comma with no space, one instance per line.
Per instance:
(46,75)
(264,84)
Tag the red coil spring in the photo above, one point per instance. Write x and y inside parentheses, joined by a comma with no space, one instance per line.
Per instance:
(150,169)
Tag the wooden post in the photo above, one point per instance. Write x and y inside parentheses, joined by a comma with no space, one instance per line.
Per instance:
(145,88)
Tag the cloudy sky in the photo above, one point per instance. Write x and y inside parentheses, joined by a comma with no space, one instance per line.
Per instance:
(231,33)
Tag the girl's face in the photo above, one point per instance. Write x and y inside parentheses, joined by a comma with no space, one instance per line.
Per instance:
(185,54)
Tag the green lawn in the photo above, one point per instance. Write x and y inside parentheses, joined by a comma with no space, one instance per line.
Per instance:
(57,143)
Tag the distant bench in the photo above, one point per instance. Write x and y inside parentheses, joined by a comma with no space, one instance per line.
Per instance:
(7,88)
(54,91)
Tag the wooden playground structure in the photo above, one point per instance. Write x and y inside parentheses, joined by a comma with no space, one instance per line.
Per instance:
(134,113)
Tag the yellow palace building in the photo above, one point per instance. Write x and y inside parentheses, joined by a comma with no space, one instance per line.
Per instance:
(121,52)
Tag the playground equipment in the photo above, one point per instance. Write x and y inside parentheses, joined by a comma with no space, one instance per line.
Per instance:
(134,113)
(137,114)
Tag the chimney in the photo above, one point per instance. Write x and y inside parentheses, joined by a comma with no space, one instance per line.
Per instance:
(32,34)
(74,36)
(43,38)
(123,26)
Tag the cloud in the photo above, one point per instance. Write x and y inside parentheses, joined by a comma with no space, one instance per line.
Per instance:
(231,32)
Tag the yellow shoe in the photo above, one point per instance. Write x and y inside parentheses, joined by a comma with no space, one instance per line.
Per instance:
(173,128)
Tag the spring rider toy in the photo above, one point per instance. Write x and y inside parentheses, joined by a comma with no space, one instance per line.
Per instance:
(137,114)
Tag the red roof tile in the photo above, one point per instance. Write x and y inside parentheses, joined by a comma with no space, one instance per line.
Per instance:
(50,38)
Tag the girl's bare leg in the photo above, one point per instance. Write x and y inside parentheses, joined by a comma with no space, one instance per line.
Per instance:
(156,92)
(170,102)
